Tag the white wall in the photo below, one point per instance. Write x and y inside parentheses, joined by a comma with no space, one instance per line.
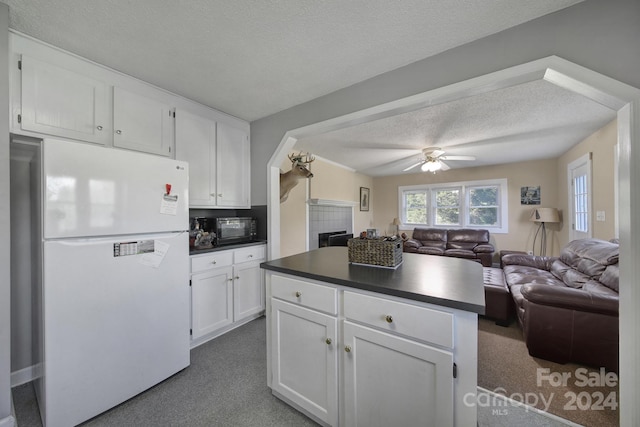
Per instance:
(5,279)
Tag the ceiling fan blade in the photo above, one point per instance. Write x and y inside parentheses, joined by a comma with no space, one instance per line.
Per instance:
(445,167)
(413,166)
(437,153)
(458,158)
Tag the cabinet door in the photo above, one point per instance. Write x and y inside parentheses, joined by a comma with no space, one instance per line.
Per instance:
(211,301)
(392,381)
(60,102)
(195,143)
(232,166)
(141,123)
(248,290)
(304,359)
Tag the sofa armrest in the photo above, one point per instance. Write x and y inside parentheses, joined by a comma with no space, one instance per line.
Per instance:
(485,248)
(539,262)
(412,244)
(570,298)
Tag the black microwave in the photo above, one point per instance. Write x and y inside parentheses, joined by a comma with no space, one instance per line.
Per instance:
(232,230)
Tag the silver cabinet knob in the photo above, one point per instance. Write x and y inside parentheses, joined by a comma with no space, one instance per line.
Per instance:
(298,294)
(99,128)
(237,277)
(214,262)
(118,131)
(389,318)
(328,341)
(348,349)
(230,279)
(219,194)
(250,256)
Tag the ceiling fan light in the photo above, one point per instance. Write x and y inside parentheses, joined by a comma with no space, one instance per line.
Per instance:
(431,166)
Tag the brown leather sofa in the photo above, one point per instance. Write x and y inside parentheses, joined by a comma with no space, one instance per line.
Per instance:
(461,243)
(568,305)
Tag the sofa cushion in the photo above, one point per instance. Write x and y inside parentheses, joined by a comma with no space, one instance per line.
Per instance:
(460,253)
(458,238)
(430,250)
(521,275)
(590,256)
(610,277)
(595,287)
(430,235)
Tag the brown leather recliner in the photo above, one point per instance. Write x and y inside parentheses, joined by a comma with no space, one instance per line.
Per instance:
(568,305)
(463,243)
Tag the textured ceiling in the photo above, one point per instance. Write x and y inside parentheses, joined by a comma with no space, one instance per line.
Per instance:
(254,58)
(530,121)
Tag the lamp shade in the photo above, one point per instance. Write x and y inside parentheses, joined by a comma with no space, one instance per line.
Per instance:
(396,221)
(545,215)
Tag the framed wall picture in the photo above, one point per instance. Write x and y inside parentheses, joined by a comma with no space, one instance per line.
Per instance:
(364,199)
(530,195)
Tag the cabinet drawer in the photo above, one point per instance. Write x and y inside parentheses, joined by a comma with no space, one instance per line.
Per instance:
(252,253)
(422,323)
(211,260)
(318,297)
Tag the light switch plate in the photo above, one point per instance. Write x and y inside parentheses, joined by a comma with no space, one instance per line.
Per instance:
(600,216)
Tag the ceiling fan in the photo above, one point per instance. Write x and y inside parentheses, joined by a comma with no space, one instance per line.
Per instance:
(433,160)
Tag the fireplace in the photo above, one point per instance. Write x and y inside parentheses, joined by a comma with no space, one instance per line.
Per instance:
(323,238)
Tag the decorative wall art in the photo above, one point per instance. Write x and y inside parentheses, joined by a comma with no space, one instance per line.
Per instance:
(530,195)
(364,199)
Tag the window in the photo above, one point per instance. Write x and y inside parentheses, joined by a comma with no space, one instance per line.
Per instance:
(483,206)
(447,206)
(475,204)
(416,207)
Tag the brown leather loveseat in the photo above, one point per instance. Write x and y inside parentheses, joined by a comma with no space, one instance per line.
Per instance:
(568,305)
(461,243)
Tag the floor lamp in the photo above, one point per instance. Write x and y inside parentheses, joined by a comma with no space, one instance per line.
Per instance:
(543,216)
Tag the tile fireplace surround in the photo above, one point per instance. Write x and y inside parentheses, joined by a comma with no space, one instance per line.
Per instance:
(326,218)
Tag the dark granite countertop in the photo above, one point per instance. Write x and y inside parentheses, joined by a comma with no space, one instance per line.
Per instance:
(445,281)
(198,251)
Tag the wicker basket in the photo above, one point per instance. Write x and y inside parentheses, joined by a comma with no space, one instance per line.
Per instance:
(375,252)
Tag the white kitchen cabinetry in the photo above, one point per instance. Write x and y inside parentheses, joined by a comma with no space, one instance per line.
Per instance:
(391,378)
(304,346)
(60,102)
(392,361)
(227,290)
(218,156)
(141,123)
(305,359)
(232,166)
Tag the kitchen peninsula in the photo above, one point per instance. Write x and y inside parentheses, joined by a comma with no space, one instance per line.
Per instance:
(355,345)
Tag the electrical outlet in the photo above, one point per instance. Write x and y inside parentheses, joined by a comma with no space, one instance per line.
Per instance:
(529,252)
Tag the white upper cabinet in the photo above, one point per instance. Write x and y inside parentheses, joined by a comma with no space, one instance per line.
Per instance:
(218,156)
(141,123)
(59,102)
(232,166)
(196,144)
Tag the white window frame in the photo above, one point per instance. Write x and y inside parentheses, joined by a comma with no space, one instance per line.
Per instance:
(503,204)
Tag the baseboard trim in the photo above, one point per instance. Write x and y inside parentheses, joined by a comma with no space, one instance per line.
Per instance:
(26,375)
(205,339)
(9,421)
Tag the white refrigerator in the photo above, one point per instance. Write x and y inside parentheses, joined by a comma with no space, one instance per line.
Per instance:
(115,303)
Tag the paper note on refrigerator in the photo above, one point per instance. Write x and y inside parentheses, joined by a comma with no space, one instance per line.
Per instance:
(169,204)
(154,259)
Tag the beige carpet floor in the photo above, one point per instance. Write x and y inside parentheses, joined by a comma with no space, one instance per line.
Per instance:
(505,367)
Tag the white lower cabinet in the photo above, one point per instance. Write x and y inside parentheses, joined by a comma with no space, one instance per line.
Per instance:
(211,301)
(347,357)
(305,359)
(227,290)
(393,381)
